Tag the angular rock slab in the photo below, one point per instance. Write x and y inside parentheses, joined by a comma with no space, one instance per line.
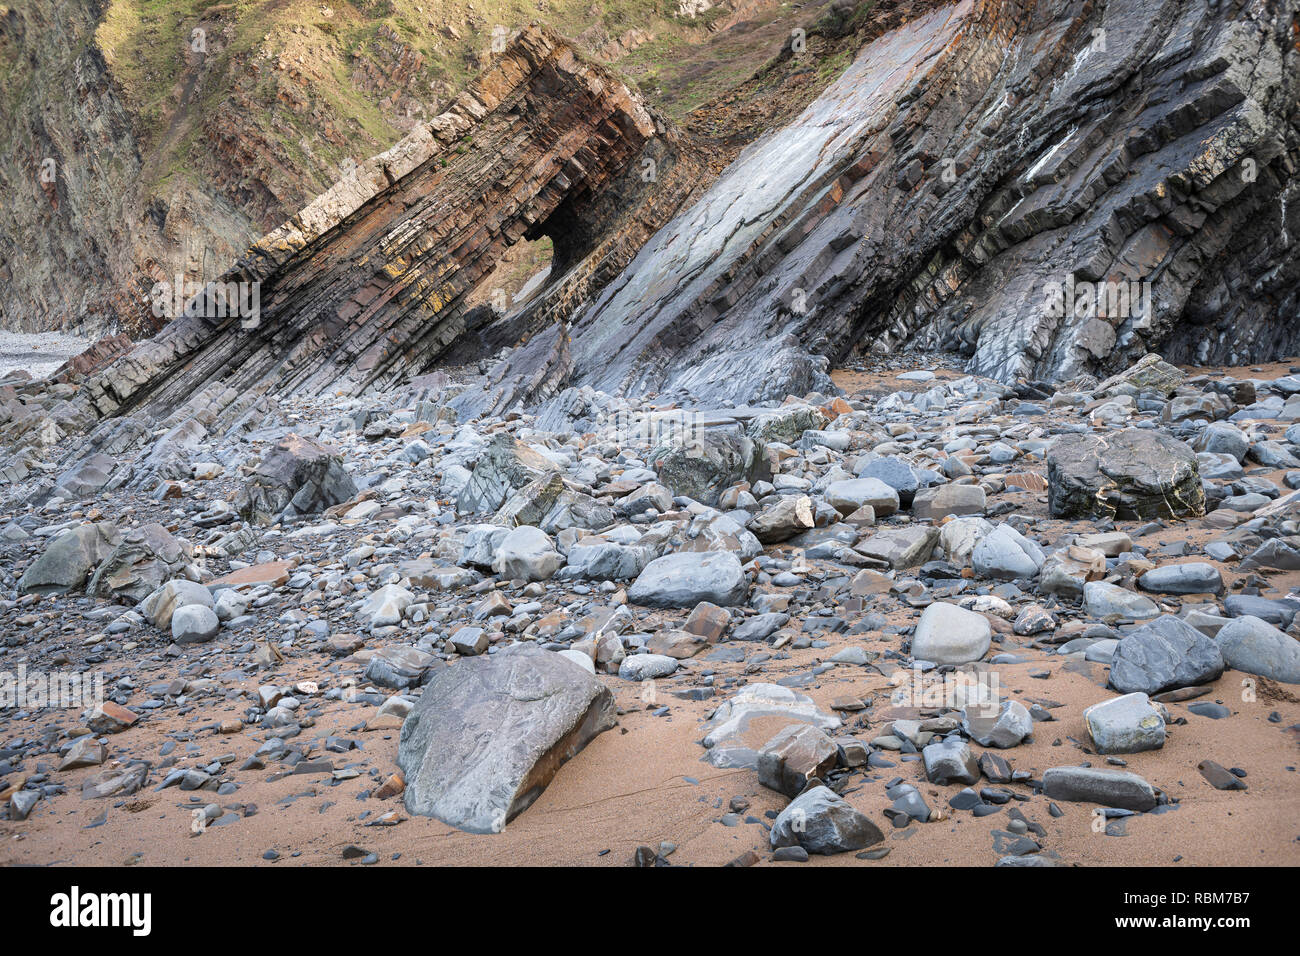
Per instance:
(950,760)
(793,757)
(1003,726)
(1132,474)
(489,733)
(1196,577)
(297,476)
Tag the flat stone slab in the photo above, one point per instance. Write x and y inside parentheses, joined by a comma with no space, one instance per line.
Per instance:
(272,573)
(1108,788)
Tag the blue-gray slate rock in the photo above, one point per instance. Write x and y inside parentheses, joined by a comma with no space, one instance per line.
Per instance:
(821,821)
(1162,655)
(489,733)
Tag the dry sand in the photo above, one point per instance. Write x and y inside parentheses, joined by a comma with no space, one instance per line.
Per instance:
(644,782)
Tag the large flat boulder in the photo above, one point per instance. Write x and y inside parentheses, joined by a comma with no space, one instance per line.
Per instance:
(489,733)
(69,559)
(1109,788)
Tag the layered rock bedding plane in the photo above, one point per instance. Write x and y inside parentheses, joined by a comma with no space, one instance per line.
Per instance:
(887,455)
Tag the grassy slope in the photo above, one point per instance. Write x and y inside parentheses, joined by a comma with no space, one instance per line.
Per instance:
(147,45)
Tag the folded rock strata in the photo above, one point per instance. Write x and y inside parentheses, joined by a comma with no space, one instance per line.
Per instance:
(960,187)
(1050,189)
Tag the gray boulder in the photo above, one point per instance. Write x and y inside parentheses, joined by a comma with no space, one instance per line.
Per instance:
(603,560)
(782,518)
(505,465)
(399,667)
(140,563)
(297,476)
(729,734)
(1006,554)
(1131,474)
(787,424)
(1112,602)
(159,607)
(1108,788)
(1003,725)
(821,821)
(194,624)
(703,463)
(903,547)
(1125,725)
(950,761)
(86,477)
(1221,438)
(948,634)
(686,578)
(526,554)
(1150,374)
(1278,613)
(797,754)
(951,499)
(896,473)
(1196,577)
(849,495)
(489,733)
(68,560)
(479,545)
(1253,646)
(1164,654)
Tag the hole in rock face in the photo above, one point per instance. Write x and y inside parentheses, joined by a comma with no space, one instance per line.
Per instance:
(520,273)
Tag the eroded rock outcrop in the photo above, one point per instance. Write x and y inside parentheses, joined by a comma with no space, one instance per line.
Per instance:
(1054,192)
(1050,190)
(367,285)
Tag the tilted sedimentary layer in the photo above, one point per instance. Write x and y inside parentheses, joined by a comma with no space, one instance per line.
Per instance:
(973,181)
(367,285)
(960,186)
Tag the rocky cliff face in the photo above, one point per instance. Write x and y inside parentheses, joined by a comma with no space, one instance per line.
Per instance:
(145,141)
(64,153)
(1049,188)
(367,285)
